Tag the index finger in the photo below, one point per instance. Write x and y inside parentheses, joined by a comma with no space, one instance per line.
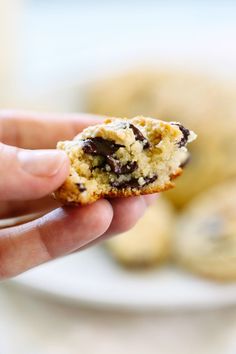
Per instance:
(41,131)
(58,233)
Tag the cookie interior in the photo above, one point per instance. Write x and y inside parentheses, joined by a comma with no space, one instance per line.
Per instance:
(123,157)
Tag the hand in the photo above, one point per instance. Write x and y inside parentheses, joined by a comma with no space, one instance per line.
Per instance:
(27,177)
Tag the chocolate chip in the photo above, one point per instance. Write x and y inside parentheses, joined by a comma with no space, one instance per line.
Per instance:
(149,180)
(129,167)
(81,187)
(105,148)
(139,136)
(114,164)
(185,133)
(119,169)
(100,146)
(185,162)
(133,183)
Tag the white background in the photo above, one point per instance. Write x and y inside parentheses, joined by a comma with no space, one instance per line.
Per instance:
(67,40)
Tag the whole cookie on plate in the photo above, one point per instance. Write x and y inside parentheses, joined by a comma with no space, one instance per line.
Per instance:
(123,157)
(205,241)
(204,104)
(148,242)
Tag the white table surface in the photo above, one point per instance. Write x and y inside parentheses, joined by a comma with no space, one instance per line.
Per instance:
(31,324)
(200,34)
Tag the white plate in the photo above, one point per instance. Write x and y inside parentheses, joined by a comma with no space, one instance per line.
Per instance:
(91,277)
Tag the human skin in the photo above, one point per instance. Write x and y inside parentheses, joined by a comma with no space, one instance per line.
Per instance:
(30,170)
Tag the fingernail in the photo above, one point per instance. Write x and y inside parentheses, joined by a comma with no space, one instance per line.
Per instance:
(41,163)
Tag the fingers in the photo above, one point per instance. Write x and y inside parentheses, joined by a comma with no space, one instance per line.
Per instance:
(126,213)
(41,131)
(150,198)
(26,174)
(58,233)
(18,208)
(65,230)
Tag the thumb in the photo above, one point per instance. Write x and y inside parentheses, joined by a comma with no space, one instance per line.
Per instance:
(30,174)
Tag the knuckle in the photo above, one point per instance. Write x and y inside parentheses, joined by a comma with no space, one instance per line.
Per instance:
(43,235)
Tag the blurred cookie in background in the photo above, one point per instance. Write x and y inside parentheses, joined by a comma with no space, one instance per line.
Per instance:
(148,243)
(205,105)
(157,93)
(205,238)
(123,95)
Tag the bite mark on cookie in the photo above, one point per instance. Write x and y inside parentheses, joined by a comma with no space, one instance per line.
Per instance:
(123,157)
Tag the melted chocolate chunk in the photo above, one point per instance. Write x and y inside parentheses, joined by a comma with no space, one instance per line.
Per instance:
(149,180)
(133,183)
(139,136)
(106,148)
(81,187)
(100,146)
(129,167)
(119,169)
(185,133)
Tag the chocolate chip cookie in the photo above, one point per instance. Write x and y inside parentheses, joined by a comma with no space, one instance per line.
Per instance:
(206,104)
(205,239)
(123,157)
(148,243)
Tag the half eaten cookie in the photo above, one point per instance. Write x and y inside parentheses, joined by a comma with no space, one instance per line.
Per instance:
(123,157)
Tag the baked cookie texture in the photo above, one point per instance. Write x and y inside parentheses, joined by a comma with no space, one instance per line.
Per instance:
(123,157)
(148,242)
(204,104)
(205,240)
